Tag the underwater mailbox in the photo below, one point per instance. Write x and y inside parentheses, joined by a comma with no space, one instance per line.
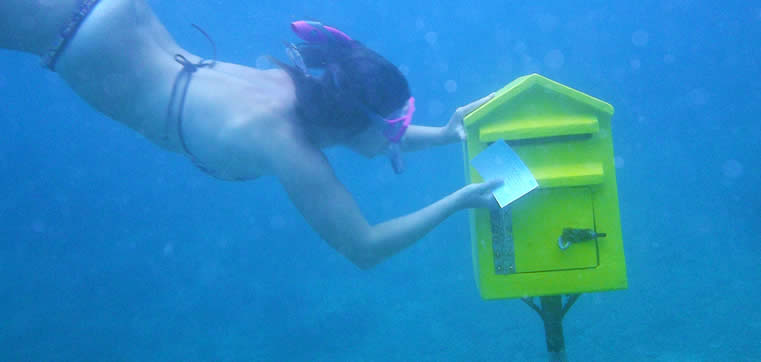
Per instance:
(564,237)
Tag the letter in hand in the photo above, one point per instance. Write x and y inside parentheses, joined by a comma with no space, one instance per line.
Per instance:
(479,195)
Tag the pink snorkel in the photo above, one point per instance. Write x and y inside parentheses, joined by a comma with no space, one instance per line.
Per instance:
(316,32)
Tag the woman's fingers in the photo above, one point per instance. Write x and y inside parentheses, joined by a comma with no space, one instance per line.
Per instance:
(491,185)
(465,110)
(479,195)
(488,200)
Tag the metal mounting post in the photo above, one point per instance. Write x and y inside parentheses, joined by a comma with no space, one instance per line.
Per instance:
(552,312)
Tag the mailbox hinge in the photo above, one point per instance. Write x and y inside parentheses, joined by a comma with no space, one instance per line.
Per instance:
(503,247)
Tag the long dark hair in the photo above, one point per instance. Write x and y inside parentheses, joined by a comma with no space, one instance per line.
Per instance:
(354,79)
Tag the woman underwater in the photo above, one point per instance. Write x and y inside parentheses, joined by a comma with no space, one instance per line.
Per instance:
(235,122)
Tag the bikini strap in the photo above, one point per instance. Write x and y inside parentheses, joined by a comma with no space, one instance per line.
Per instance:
(188,68)
(51,56)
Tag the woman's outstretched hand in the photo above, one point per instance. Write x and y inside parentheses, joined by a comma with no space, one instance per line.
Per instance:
(479,195)
(455,129)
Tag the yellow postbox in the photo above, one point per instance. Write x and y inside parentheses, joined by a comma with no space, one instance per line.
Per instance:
(564,237)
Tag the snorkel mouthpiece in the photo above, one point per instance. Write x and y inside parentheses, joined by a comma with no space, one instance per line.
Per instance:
(395,156)
(394,130)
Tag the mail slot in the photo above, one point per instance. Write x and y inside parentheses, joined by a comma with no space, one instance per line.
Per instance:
(565,236)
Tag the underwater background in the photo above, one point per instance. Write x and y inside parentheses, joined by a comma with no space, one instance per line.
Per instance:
(114,250)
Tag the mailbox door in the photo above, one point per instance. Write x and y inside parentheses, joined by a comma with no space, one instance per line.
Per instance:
(538,221)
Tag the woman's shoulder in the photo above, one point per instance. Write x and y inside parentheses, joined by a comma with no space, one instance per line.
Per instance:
(254,75)
(235,110)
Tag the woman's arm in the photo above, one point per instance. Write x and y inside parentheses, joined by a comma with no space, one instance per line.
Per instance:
(422,137)
(391,236)
(331,210)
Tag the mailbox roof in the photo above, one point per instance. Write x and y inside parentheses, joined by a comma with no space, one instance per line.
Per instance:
(508,94)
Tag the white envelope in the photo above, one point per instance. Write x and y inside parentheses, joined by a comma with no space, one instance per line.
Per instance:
(501,162)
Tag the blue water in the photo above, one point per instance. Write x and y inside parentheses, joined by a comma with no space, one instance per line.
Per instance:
(113,250)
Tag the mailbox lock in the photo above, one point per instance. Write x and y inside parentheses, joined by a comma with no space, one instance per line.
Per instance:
(571,235)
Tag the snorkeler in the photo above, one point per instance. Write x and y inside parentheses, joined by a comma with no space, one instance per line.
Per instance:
(237,122)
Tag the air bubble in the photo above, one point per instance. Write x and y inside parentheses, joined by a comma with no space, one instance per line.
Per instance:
(420,23)
(431,38)
(733,169)
(554,59)
(404,69)
(38,226)
(168,249)
(640,38)
(262,62)
(450,86)
(698,96)
(619,161)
